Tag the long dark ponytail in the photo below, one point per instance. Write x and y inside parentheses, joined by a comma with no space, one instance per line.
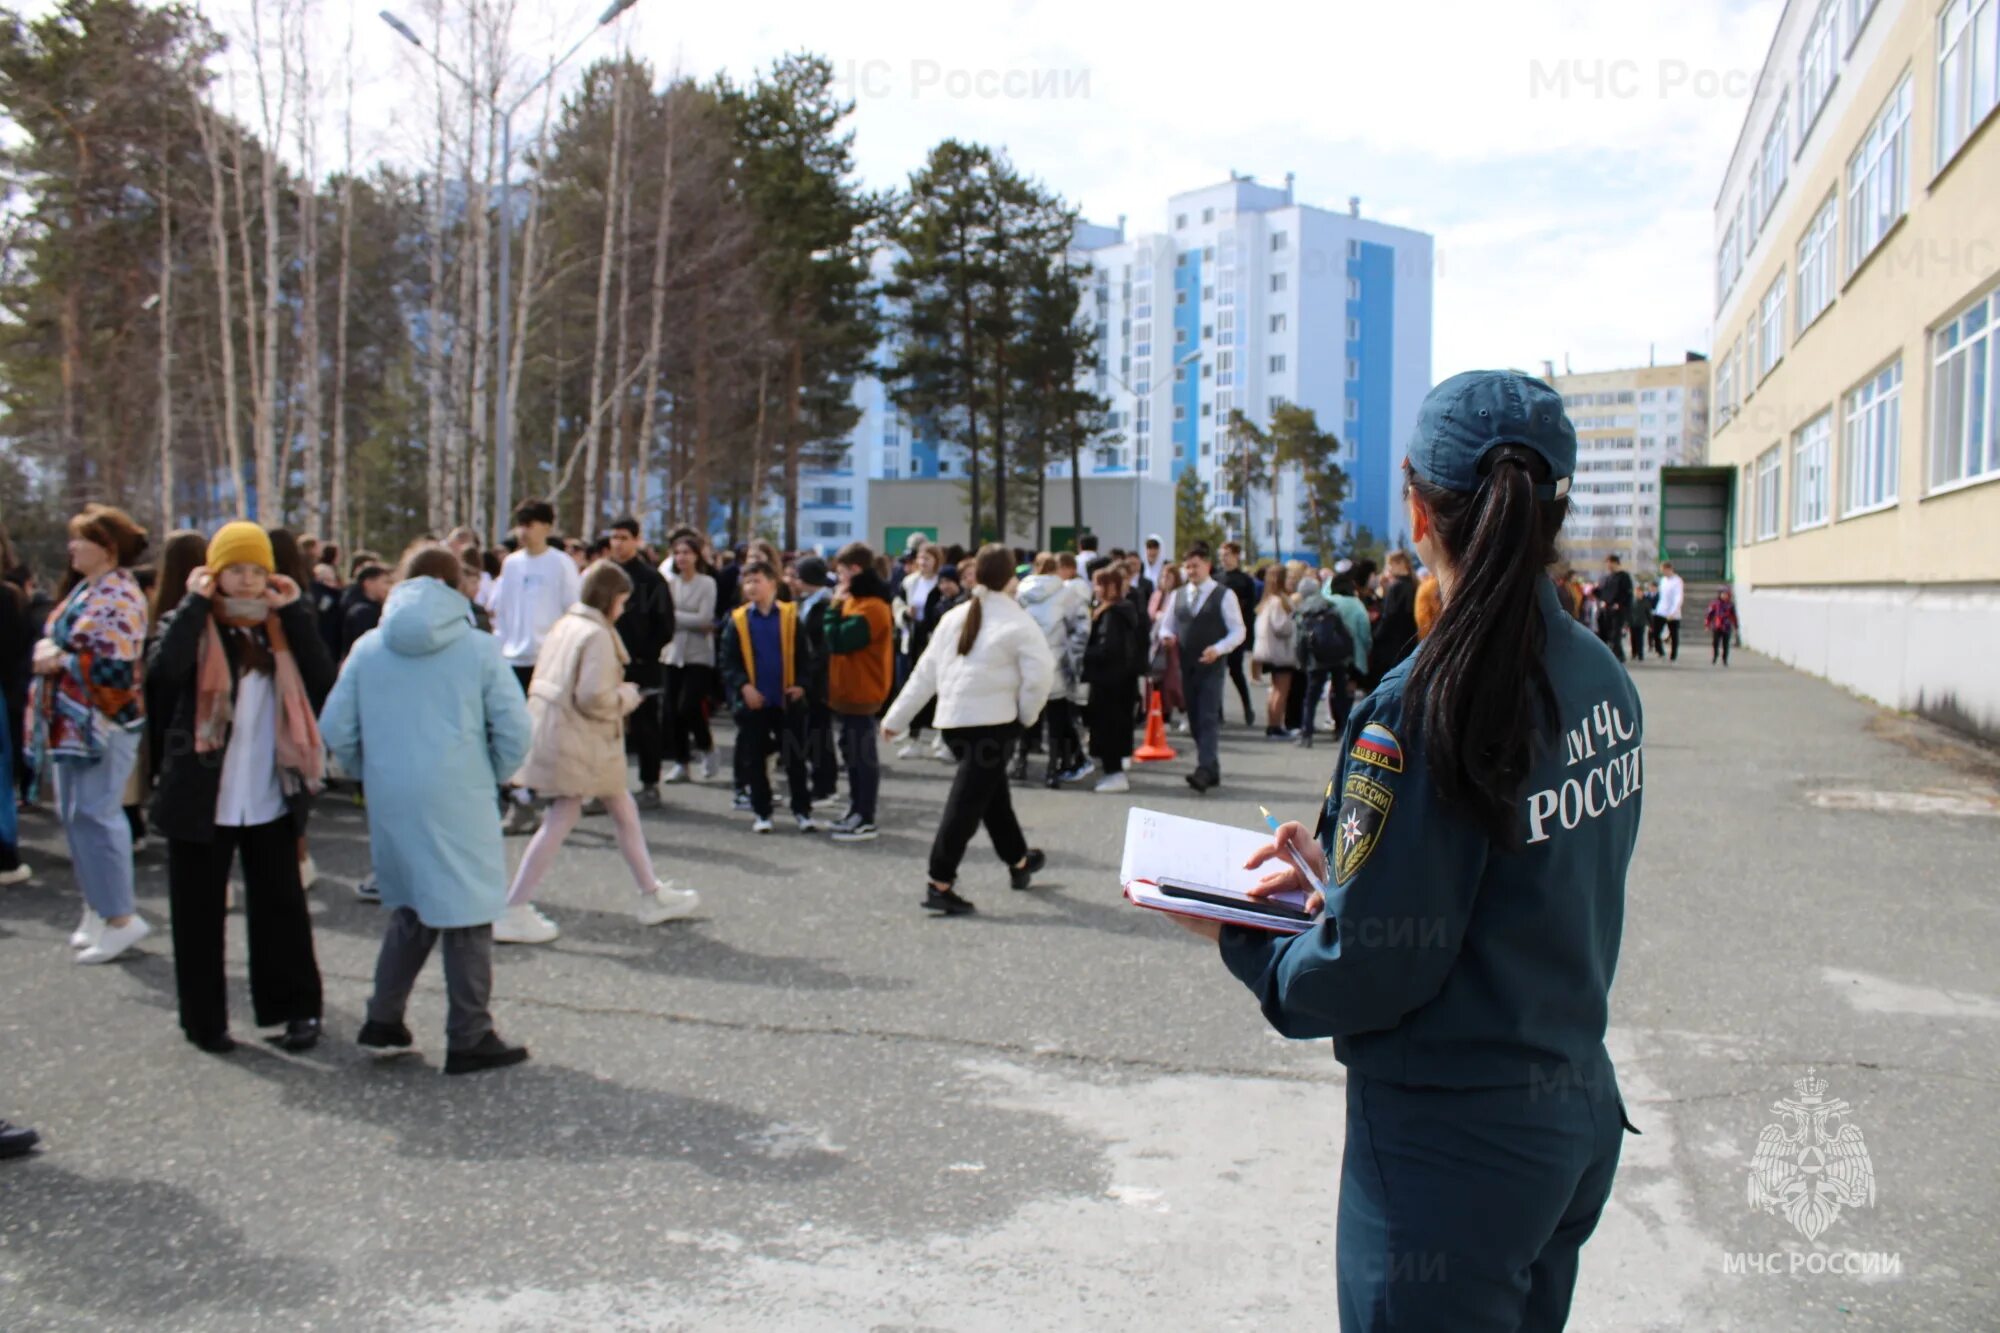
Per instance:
(1479,683)
(993,569)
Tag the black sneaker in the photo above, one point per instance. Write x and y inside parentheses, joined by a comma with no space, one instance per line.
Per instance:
(385,1038)
(301,1034)
(1019,876)
(1201,780)
(17,1140)
(742,799)
(1018,771)
(490,1053)
(219,1044)
(946,902)
(853,829)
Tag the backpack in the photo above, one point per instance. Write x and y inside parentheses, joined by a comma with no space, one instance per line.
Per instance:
(1328,645)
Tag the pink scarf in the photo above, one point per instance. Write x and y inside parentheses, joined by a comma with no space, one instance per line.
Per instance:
(301,754)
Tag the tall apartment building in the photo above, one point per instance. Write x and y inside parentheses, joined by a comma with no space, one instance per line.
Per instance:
(1246,299)
(1857,377)
(1629,425)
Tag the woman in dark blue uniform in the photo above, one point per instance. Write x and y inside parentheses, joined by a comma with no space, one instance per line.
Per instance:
(1475,840)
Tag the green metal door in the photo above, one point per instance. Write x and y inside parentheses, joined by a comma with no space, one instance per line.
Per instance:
(1696,513)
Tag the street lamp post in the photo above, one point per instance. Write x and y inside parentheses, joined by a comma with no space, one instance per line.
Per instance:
(503,430)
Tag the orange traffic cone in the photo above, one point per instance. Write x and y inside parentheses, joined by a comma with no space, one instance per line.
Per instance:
(1156,747)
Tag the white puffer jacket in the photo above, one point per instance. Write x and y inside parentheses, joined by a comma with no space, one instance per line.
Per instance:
(1005,678)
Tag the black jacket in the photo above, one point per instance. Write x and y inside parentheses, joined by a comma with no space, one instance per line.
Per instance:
(1396,631)
(188,783)
(361,615)
(1247,593)
(647,626)
(1117,653)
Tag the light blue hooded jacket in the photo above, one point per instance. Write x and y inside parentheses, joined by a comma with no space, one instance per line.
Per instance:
(430,718)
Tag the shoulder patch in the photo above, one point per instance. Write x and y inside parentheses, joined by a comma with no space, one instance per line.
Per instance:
(1364,808)
(1378,745)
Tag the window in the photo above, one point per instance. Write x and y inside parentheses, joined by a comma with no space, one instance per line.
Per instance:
(1968,49)
(1816,266)
(1649,395)
(1208,293)
(1857,17)
(1729,258)
(1277,366)
(1180,412)
(1205,370)
(1180,221)
(1207,215)
(1769,494)
(1180,298)
(1771,329)
(1207,447)
(1354,289)
(1353,368)
(1180,337)
(1277,323)
(1878,178)
(1819,64)
(1768,176)
(1353,250)
(1208,333)
(1354,409)
(826,496)
(1725,385)
(1353,330)
(1965,409)
(1871,448)
(1277,282)
(1278,239)
(1206,409)
(1812,485)
(1208,254)
(1180,374)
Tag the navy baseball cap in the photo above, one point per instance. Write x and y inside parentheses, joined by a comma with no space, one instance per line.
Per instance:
(1468,416)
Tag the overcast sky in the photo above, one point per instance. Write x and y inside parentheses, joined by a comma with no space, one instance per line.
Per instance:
(1566,155)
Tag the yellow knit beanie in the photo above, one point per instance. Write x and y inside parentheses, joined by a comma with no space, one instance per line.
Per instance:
(241,543)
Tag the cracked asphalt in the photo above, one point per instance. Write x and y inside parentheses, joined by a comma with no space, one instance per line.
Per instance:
(813,1106)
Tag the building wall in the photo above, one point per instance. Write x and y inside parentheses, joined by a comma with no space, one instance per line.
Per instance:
(1899,602)
(1630,424)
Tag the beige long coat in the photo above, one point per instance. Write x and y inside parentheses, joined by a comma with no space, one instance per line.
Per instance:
(578,701)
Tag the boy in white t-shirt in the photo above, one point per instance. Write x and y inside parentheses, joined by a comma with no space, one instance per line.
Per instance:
(536,585)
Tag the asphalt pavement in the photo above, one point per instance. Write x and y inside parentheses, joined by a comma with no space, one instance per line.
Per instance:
(815,1106)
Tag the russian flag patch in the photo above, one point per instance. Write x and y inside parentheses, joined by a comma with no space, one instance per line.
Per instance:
(1378,745)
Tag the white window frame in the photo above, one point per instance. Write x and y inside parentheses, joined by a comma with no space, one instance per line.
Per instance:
(1771,328)
(1871,443)
(1816,270)
(1278,322)
(1878,178)
(1819,64)
(1964,445)
(1278,239)
(1277,364)
(1968,52)
(1812,473)
(1768,506)
(1774,162)
(1353,329)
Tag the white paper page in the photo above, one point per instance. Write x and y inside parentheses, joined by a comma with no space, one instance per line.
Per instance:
(1192,852)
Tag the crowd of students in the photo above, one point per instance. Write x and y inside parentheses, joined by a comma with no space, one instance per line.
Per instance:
(208,695)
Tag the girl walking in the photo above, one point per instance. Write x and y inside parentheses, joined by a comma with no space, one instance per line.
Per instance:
(1276,652)
(578,702)
(1114,660)
(990,670)
(1721,621)
(88,711)
(241,665)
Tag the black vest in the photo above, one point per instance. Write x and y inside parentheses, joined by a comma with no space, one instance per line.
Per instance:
(1206,628)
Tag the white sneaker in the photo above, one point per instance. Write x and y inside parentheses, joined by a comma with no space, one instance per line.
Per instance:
(909,750)
(1113,782)
(86,930)
(18,875)
(114,940)
(675,773)
(939,750)
(522,924)
(707,765)
(760,825)
(806,823)
(308,874)
(666,903)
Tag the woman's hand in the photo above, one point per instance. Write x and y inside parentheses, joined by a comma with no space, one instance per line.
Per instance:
(1286,877)
(201,582)
(629,697)
(48,658)
(280,592)
(1194,925)
(890,737)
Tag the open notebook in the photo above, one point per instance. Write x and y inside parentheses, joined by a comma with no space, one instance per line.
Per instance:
(1190,867)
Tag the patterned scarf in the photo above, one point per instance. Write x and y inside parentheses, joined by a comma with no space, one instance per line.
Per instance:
(301,755)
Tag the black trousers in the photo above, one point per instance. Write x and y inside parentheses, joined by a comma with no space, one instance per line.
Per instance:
(1237,678)
(979,795)
(774,731)
(684,710)
(1637,634)
(642,726)
(1718,647)
(822,752)
(1610,630)
(284,973)
(1671,630)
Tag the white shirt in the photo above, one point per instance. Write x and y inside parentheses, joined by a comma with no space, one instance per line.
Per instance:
(487,583)
(532,593)
(1188,603)
(1672,591)
(249,794)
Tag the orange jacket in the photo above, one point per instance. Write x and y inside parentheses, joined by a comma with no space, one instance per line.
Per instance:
(861,658)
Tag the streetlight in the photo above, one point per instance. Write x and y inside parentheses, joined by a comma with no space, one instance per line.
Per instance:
(503,434)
